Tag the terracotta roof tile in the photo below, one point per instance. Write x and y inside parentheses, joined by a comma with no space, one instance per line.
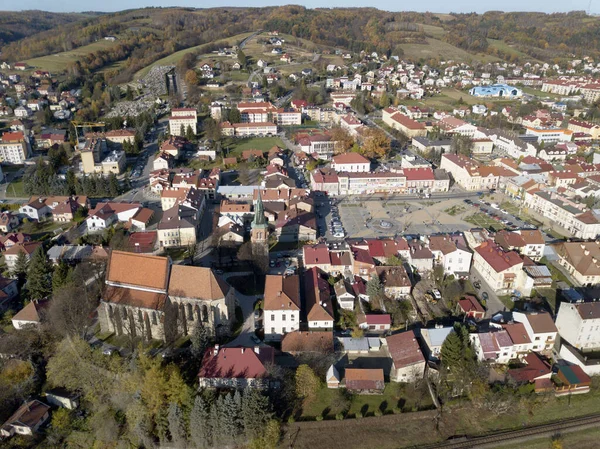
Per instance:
(196,282)
(138,270)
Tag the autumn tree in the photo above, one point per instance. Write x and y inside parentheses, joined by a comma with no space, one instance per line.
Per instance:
(461,145)
(191,78)
(307,382)
(343,140)
(375,143)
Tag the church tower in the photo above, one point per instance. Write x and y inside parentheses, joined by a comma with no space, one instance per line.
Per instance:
(260,228)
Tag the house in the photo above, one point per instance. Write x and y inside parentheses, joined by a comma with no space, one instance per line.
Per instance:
(571,379)
(344,294)
(9,240)
(408,362)
(540,328)
(351,162)
(36,209)
(71,254)
(163,161)
(420,256)
(433,339)
(29,316)
(364,380)
(181,120)
(281,306)
(535,371)
(162,301)
(12,254)
(375,322)
(61,397)
(8,221)
(106,214)
(578,324)
(236,367)
(395,281)
(471,308)
(396,120)
(501,270)
(319,309)
(494,347)
(452,252)
(26,420)
(8,291)
(299,342)
(581,260)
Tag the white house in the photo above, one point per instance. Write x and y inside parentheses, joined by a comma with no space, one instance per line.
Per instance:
(540,328)
(281,307)
(26,420)
(351,162)
(452,253)
(579,324)
(344,294)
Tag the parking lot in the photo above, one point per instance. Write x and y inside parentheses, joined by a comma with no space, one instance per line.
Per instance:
(329,221)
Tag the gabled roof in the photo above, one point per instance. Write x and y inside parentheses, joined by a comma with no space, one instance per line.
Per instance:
(404,349)
(27,415)
(137,270)
(31,312)
(536,368)
(470,304)
(282,293)
(364,379)
(196,282)
(236,363)
(316,294)
(350,158)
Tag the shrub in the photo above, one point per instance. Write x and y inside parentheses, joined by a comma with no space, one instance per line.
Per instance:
(396,410)
(378,412)
(339,416)
(291,420)
(319,418)
(358,415)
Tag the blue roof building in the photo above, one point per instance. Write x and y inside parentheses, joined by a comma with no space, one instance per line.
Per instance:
(496,90)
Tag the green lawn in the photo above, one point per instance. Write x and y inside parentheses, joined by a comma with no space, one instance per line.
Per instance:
(503,46)
(539,93)
(16,190)
(483,221)
(237,146)
(455,210)
(174,58)
(435,48)
(59,61)
(330,401)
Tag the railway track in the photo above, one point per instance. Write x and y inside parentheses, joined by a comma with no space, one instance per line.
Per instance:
(487,441)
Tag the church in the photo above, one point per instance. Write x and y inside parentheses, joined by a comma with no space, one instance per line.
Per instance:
(149,297)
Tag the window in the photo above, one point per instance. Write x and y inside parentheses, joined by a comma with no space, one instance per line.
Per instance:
(283,317)
(283,329)
(272,317)
(293,317)
(272,330)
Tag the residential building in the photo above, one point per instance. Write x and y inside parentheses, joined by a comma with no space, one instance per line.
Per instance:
(14,148)
(408,362)
(501,270)
(351,162)
(470,174)
(540,328)
(528,242)
(319,309)
(579,325)
(452,252)
(8,221)
(30,316)
(181,119)
(281,308)
(236,367)
(344,294)
(61,397)
(550,136)
(375,322)
(581,260)
(396,120)
(26,420)
(395,281)
(249,129)
(12,254)
(433,339)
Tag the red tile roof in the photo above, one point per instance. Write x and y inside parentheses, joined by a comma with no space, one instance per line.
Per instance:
(236,363)
(498,259)
(404,349)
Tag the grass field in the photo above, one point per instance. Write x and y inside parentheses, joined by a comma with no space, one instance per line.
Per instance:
(539,93)
(329,402)
(483,221)
(236,146)
(434,31)
(15,190)
(175,57)
(436,48)
(59,61)
(503,46)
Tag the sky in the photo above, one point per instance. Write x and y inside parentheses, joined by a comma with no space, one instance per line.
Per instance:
(441,6)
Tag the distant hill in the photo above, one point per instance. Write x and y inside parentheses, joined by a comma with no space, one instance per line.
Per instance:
(150,34)
(18,25)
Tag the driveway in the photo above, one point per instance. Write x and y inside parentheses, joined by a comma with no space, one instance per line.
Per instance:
(494,305)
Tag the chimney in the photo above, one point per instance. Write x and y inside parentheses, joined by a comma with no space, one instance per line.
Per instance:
(216,351)
(257,349)
(586,252)
(243,350)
